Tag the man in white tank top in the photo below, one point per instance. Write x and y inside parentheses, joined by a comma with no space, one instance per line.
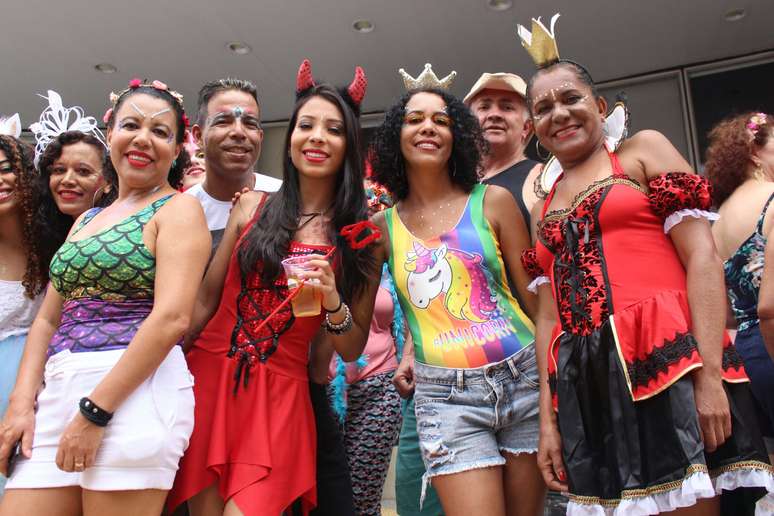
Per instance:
(228,130)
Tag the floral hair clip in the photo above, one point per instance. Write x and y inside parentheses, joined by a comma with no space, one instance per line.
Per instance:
(754,124)
(354,231)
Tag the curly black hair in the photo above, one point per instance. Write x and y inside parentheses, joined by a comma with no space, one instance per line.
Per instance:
(20,155)
(468,146)
(51,225)
(182,162)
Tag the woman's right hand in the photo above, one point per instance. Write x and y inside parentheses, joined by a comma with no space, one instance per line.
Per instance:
(18,424)
(404,377)
(549,458)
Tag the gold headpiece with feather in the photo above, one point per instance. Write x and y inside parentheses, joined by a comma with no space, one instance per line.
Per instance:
(427,79)
(541,42)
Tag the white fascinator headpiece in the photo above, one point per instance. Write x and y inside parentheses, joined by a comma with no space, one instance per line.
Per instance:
(11,126)
(57,119)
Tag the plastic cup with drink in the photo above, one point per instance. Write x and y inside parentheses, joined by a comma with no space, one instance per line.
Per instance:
(308,301)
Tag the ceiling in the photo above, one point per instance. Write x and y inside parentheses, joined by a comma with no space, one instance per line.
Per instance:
(55,45)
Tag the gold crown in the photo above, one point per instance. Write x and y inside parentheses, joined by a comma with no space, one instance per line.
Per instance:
(427,79)
(541,42)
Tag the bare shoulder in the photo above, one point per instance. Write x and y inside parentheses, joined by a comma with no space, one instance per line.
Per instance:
(497,196)
(180,201)
(185,210)
(649,153)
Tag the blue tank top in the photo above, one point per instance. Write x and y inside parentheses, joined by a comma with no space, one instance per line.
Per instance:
(743,271)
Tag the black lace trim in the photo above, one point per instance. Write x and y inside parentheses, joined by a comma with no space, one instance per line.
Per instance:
(731,359)
(621,179)
(642,372)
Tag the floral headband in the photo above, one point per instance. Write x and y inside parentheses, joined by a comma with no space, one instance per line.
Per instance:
(755,123)
(138,83)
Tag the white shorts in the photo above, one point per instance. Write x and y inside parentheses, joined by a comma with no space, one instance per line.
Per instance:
(144,441)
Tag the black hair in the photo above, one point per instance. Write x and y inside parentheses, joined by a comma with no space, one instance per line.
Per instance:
(51,225)
(580,71)
(468,146)
(181,162)
(212,88)
(268,240)
(20,155)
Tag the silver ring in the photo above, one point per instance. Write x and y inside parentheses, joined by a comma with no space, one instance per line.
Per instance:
(79,466)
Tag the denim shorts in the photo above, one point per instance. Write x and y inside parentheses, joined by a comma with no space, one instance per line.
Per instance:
(467,417)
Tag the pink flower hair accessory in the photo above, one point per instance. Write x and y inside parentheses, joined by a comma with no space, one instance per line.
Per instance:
(156,84)
(755,123)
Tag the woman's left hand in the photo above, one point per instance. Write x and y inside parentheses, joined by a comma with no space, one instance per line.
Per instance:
(79,444)
(326,282)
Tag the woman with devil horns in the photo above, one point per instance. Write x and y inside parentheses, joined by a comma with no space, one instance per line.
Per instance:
(253,448)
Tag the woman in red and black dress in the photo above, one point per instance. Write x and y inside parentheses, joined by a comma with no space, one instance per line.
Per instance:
(253,448)
(644,405)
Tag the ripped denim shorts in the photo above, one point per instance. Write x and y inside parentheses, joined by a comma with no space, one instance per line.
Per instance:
(467,417)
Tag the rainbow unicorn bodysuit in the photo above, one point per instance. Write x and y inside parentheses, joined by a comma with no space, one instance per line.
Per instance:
(454,291)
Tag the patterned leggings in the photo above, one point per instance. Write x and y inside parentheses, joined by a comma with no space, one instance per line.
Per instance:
(370,432)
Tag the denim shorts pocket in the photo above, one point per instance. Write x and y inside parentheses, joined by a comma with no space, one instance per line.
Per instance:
(530,377)
(427,392)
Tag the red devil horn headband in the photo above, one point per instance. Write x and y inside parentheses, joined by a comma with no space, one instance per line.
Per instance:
(304,80)
(357,89)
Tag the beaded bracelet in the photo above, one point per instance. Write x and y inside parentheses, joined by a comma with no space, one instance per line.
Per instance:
(93,413)
(342,327)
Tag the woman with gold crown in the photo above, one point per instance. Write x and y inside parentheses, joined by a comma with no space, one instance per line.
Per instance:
(644,402)
(449,243)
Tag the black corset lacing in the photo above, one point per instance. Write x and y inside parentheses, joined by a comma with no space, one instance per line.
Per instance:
(572,264)
(247,354)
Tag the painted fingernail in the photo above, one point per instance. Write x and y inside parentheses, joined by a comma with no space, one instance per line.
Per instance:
(562,476)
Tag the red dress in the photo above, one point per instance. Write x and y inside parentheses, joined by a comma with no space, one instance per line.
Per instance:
(622,348)
(254,431)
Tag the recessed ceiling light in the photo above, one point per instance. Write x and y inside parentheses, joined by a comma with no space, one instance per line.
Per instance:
(105,68)
(239,48)
(733,15)
(363,26)
(500,5)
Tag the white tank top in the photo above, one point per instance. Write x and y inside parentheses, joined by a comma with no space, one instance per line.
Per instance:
(16,310)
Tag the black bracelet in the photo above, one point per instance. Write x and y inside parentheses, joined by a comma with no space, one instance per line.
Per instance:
(93,413)
(341,302)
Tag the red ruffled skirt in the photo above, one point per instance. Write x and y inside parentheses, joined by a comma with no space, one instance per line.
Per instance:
(258,446)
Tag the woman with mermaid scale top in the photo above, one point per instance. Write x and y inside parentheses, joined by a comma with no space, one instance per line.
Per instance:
(103,405)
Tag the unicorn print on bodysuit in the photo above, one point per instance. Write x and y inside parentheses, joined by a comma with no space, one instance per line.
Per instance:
(460,276)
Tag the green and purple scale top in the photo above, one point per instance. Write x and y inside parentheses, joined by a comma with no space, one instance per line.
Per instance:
(107,282)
